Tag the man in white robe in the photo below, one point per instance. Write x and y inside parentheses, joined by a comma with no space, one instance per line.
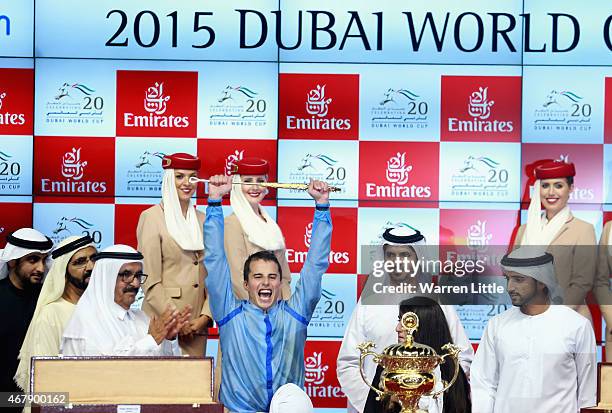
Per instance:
(63,286)
(103,324)
(23,265)
(537,356)
(377,322)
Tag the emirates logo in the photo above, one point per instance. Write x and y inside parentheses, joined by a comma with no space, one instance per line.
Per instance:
(231,160)
(72,166)
(155,101)
(397,171)
(479,105)
(316,103)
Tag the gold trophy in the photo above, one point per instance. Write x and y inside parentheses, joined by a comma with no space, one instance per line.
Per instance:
(408,367)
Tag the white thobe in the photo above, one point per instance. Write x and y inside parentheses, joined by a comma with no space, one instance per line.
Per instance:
(544,363)
(49,326)
(136,341)
(377,323)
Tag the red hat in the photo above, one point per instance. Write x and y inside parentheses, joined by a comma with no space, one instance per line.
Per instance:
(549,169)
(251,166)
(181,161)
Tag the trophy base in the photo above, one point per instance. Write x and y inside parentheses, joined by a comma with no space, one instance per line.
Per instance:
(409,410)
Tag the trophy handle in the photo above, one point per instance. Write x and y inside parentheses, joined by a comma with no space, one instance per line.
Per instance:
(452,351)
(365,350)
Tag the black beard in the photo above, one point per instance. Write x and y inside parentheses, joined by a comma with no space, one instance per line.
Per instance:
(78,283)
(27,280)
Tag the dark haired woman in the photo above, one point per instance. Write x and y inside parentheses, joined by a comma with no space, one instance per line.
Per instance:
(433,332)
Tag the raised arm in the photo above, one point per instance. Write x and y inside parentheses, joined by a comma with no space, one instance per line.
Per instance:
(308,290)
(218,282)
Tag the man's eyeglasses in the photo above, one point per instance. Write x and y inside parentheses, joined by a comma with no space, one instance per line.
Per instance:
(128,276)
(81,262)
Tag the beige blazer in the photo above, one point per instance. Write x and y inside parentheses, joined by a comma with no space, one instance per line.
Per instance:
(237,250)
(176,276)
(574,265)
(604,268)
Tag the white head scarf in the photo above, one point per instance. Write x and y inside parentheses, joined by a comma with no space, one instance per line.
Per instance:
(399,234)
(265,234)
(185,231)
(404,231)
(545,273)
(51,291)
(399,230)
(539,230)
(95,317)
(14,252)
(289,398)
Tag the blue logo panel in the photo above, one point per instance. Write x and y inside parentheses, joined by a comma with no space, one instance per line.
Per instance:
(16,154)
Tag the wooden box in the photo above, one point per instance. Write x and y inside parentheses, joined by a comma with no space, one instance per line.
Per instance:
(104,384)
(604,390)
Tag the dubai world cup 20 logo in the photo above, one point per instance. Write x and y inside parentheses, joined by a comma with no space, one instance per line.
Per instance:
(563,111)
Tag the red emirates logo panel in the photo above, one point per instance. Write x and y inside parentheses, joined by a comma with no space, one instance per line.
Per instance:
(16,101)
(126,222)
(75,167)
(320,380)
(398,171)
(219,156)
(13,217)
(588,160)
(296,224)
(151,103)
(481,108)
(318,106)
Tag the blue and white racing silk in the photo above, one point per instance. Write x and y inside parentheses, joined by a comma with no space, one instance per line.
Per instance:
(262,350)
